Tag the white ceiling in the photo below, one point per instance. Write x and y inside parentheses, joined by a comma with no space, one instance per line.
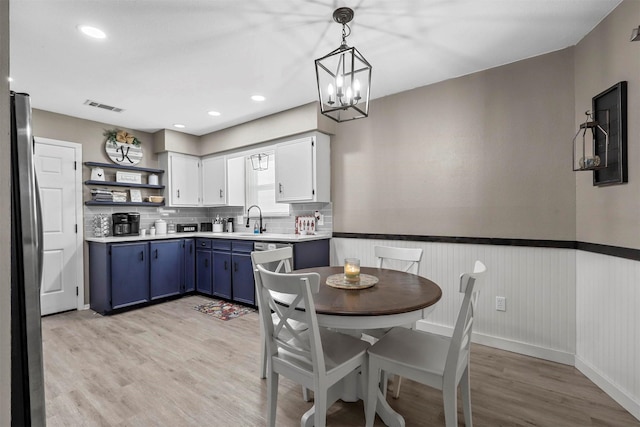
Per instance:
(167,62)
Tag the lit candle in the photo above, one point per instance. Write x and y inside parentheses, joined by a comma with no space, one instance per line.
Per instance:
(352,269)
(339,83)
(330,92)
(356,88)
(348,96)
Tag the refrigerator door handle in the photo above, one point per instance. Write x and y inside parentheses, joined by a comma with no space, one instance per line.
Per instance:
(40,234)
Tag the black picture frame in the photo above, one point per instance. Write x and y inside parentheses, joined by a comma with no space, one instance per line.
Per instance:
(613,100)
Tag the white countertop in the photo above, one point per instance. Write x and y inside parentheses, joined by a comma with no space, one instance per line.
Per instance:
(264,237)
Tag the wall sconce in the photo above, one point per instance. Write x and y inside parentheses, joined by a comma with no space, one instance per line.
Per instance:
(259,162)
(584,149)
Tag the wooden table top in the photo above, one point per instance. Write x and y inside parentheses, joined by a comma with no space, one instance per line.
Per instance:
(396,292)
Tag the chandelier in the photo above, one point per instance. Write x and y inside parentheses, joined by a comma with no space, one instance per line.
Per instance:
(344,77)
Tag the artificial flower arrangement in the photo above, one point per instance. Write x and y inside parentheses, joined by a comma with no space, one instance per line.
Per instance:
(114,136)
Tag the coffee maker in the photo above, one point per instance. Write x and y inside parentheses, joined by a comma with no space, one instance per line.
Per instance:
(125,224)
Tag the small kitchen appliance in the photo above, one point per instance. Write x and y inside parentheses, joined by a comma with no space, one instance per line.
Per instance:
(121,226)
(230,225)
(187,228)
(125,224)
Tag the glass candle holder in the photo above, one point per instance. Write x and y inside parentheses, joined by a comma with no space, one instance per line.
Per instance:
(352,269)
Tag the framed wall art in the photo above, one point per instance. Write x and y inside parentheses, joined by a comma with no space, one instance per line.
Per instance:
(612,102)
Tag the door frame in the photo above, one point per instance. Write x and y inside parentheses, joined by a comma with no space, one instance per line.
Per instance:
(77,149)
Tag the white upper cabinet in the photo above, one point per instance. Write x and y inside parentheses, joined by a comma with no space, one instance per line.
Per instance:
(303,171)
(181,179)
(223,181)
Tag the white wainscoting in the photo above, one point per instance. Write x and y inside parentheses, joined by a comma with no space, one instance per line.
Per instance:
(608,325)
(563,305)
(538,283)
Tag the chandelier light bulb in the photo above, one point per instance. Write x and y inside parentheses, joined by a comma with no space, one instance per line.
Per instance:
(339,83)
(356,89)
(348,96)
(330,93)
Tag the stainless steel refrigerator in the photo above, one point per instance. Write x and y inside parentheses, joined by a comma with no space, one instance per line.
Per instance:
(27,376)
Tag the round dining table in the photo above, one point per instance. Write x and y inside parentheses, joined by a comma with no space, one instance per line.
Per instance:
(396,299)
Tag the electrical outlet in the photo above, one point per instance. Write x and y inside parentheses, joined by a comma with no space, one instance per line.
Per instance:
(501,304)
(320,219)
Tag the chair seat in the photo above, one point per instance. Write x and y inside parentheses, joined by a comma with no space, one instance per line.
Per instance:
(420,351)
(338,350)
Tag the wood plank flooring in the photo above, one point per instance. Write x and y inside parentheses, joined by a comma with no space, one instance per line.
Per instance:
(170,365)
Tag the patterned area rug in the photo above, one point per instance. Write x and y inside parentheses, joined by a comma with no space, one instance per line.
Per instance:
(223,310)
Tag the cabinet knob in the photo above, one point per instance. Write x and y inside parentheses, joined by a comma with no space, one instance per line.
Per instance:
(221,193)
(178,193)
(280,187)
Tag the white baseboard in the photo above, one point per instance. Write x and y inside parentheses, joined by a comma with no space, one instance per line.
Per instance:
(86,307)
(626,401)
(504,344)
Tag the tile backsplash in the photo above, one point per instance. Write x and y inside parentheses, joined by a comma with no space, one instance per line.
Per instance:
(275,224)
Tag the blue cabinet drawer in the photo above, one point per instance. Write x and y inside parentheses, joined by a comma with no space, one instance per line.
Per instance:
(203,243)
(242,246)
(222,245)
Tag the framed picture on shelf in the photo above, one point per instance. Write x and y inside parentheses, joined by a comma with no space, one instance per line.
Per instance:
(135,195)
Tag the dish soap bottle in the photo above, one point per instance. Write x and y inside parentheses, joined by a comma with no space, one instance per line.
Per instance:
(256,228)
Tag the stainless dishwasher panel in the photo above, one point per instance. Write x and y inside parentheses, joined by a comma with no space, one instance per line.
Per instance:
(268,246)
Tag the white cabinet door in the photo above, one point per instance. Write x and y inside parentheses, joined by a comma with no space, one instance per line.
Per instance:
(235,181)
(184,180)
(294,171)
(303,170)
(214,181)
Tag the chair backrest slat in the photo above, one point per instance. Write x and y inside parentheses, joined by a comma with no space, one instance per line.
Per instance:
(457,357)
(408,259)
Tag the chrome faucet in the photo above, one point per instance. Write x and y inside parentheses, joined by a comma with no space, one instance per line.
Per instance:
(262,230)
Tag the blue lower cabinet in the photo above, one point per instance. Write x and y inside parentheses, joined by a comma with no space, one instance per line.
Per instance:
(204,270)
(189,284)
(129,274)
(222,274)
(243,281)
(166,268)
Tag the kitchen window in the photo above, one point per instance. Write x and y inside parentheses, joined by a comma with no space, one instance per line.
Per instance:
(261,188)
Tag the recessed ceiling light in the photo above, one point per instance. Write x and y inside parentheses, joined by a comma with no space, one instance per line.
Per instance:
(213,113)
(179,126)
(92,32)
(258,98)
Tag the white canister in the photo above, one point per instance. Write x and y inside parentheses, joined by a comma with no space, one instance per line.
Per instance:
(153,179)
(161,227)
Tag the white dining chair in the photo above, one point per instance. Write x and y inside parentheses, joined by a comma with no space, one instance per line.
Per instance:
(278,260)
(315,358)
(434,360)
(403,259)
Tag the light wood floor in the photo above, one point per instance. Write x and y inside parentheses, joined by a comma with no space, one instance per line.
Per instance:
(170,365)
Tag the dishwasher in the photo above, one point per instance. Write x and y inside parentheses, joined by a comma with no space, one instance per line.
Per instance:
(268,246)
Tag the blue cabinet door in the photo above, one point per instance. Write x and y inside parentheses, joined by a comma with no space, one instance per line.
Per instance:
(204,268)
(222,274)
(243,282)
(129,274)
(189,265)
(166,258)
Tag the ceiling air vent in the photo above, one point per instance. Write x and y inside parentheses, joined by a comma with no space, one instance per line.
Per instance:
(91,103)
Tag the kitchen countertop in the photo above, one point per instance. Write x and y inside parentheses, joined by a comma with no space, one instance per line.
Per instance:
(264,237)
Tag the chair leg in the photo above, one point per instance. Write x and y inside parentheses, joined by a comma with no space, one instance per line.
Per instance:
(263,358)
(396,392)
(371,401)
(450,405)
(272,397)
(305,394)
(320,404)
(465,392)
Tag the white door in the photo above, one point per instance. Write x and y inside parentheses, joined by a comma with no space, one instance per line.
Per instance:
(58,169)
